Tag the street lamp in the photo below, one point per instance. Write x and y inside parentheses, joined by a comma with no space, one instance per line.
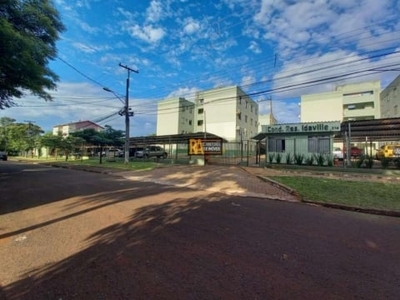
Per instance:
(125,111)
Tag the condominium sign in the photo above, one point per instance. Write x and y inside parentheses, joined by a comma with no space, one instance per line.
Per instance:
(304,127)
(205,147)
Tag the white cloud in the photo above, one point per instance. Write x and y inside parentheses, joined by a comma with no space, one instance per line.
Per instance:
(89,48)
(147,33)
(87,28)
(255,47)
(191,26)
(154,11)
(185,92)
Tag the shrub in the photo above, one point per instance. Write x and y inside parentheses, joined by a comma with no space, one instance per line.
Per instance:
(289,158)
(385,162)
(369,161)
(278,158)
(271,157)
(360,161)
(330,160)
(298,158)
(320,159)
(310,160)
(397,163)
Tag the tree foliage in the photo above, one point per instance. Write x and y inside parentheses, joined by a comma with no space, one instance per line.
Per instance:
(29,30)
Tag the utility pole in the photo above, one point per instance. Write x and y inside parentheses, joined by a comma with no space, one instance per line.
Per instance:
(127,112)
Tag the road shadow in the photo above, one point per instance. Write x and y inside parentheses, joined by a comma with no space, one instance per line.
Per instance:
(220,247)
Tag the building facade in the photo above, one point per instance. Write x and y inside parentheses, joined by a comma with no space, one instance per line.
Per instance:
(175,116)
(226,112)
(351,102)
(390,100)
(66,129)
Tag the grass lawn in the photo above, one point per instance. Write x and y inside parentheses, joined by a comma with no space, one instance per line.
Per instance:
(118,163)
(363,194)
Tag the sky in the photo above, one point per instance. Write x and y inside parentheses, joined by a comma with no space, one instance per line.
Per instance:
(273,49)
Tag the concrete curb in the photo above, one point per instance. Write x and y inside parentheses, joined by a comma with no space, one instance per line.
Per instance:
(329,205)
(388,213)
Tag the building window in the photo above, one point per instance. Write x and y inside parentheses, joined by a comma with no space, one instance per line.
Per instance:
(240,99)
(251,108)
(190,122)
(251,121)
(200,111)
(395,110)
(200,123)
(201,101)
(319,144)
(239,116)
(246,104)
(255,111)
(276,145)
(245,118)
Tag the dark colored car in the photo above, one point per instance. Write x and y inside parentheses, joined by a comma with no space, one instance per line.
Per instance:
(3,155)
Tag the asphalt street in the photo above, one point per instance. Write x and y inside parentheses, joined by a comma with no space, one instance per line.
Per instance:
(67,234)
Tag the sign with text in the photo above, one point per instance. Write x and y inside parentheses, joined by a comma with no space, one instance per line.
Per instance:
(205,147)
(304,127)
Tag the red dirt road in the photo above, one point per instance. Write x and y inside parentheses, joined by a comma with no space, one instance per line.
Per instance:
(94,236)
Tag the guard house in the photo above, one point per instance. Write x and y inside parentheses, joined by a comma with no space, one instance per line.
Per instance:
(305,139)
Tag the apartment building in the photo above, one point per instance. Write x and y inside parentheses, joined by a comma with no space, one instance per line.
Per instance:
(390,100)
(227,112)
(175,116)
(359,101)
(66,129)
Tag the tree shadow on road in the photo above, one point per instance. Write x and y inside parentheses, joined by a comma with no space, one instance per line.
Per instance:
(210,247)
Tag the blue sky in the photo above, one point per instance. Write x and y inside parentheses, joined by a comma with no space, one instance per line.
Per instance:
(277,49)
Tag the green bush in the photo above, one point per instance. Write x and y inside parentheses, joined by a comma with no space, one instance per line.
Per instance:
(397,163)
(299,158)
(320,159)
(289,158)
(330,160)
(310,160)
(369,161)
(278,158)
(271,157)
(385,162)
(360,161)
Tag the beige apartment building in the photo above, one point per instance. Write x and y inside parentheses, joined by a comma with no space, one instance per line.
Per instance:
(66,129)
(175,116)
(227,112)
(390,100)
(359,101)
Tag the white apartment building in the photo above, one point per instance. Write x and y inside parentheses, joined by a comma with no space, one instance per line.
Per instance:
(66,129)
(175,116)
(227,112)
(390,100)
(359,101)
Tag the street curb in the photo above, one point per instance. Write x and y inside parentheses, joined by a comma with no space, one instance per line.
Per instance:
(388,213)
(281,186)
(328,205)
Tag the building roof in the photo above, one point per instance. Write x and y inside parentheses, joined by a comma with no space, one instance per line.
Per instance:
(172,138)
(80,124)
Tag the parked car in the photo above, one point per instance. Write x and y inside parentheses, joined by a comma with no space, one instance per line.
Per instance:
(132,151)
(354,152)
(152,151)
(388,151)
(338,153)
(3,155)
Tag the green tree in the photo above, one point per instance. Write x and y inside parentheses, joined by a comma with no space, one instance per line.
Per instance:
(5,124)
(52,142)
(29,30)
(23,137)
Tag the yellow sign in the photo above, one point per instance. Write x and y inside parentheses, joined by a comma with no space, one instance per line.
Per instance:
(205,147)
